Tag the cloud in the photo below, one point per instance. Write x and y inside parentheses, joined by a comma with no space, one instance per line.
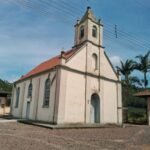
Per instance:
(115,60)
(27,39)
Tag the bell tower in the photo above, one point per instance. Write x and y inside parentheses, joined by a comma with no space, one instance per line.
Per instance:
(88,29)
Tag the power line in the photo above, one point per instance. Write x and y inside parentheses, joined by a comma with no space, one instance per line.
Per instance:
(41,10)
(108,25)
(129,37)
(45,7)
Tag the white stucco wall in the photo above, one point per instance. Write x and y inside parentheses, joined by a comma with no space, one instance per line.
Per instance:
(88,26)
(109,102)
(79,86)
(3,100)
(3,108)
(75,98)
(17,112)
(46,113)
(79,40)
(78,60)
(107,70)
(37,111)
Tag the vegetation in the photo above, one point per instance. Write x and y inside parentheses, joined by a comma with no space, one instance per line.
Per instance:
(144,66)
(5,86)
(126,69)
(136,107)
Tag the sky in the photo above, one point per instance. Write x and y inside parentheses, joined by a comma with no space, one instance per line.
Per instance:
(32,31)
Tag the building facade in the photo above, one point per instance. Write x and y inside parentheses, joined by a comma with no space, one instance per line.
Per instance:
(5,98)
(79,86)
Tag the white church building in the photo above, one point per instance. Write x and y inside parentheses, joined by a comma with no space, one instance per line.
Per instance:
(79,86)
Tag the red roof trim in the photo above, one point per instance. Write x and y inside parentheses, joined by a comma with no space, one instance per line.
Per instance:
(49,64)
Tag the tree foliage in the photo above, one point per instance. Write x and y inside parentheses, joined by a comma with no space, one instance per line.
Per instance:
(5,85)
(143,65)
(131,84)
(126,69)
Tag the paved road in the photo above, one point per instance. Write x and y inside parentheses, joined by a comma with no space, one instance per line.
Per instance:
(16,136)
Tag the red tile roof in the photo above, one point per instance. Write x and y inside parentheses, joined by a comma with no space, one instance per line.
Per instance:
(145,93)
(49,64)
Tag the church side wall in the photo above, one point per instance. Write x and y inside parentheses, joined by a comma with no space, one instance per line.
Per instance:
(46,113)
(16,112)
(36,110)
(24,100)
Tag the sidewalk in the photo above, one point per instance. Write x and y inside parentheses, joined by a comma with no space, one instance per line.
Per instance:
(7,118)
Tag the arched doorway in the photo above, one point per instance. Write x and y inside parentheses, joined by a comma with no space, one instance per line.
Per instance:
(95,109)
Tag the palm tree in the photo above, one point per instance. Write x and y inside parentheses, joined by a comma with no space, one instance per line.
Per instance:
(144,66)
(126,69)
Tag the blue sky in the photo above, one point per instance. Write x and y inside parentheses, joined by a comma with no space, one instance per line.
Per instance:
(32,31)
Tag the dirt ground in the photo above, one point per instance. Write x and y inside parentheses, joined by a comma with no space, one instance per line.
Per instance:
(17,136)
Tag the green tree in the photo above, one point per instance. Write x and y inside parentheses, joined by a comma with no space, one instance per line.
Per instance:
(5,85)
(143,65)
(126,69)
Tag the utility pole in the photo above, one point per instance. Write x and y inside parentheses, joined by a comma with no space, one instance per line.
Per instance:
(116,33)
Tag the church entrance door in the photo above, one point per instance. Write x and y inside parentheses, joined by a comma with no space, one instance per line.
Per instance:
(28,110)
(95,109)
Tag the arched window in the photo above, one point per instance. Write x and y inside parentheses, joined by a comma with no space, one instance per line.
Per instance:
(94,31)
(95,61)
(81,32)
(17,97)
(46,93)
(30,90)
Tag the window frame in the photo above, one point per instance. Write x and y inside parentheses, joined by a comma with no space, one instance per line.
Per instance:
(82,32)
(95,59)
(47,87)
(94,31)
(30,88)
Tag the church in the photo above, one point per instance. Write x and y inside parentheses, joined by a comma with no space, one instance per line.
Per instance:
(79,86)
